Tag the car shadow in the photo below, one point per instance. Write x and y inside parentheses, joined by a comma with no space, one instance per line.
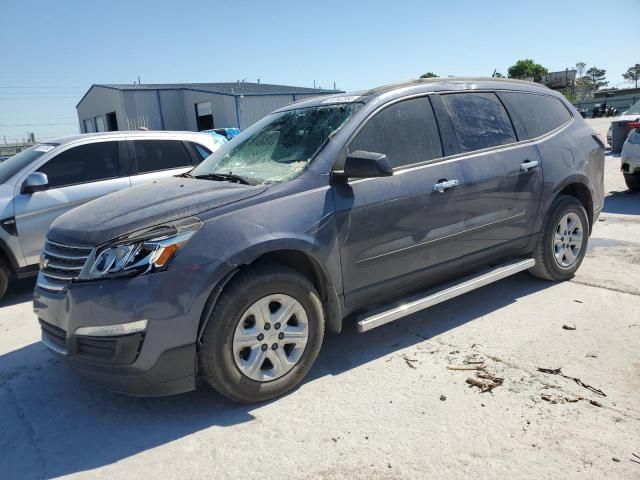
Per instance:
(19,291)
(54,423)
(625,203)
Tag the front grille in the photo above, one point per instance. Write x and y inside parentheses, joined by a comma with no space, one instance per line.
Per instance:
(53,335)
(61,264)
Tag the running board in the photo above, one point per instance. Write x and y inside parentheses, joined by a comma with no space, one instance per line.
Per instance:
(375,318)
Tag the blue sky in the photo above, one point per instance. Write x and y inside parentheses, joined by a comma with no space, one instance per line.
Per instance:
(51,52)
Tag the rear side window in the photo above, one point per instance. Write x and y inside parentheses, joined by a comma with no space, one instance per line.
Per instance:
(537,114)
(405,132)
(154,155)
(82,164)
(479,120)
(201,152)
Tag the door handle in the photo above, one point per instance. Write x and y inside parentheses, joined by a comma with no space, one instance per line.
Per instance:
(528,165)
(443,185)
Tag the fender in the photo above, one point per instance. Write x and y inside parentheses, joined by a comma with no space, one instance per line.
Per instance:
(549,197)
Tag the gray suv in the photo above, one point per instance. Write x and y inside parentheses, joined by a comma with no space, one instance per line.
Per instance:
(369,206)
(44,181)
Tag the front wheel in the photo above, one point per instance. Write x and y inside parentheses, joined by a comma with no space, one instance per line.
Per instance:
(5,275)
(562,243)
(263,335)
(633,181)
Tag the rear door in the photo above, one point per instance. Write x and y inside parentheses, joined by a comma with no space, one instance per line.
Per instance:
(503,173)
(158,158)
(76,175)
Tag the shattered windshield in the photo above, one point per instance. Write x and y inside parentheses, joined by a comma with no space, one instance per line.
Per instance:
(277,148)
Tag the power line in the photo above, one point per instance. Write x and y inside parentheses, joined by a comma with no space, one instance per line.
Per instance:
(36,98)
(44,87)
(36,124)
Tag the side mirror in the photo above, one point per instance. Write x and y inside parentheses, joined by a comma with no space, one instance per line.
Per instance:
(361,164)
(35,182)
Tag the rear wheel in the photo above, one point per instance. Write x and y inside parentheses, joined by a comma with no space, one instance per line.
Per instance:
(633,181)
(263,335)
(562,243)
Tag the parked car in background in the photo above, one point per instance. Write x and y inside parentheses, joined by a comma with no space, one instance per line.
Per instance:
(630,158)
(373,205)
(44,181)
(620,127)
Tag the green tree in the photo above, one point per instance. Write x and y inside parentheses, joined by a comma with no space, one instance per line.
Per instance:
(580,66)
(633,74)
(596,77)
(498,75)
(428,75)
(527,68)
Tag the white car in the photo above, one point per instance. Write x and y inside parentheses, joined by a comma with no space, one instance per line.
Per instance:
(630,157)
(44,181)
(633,114)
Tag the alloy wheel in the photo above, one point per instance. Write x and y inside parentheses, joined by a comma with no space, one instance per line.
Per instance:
(567,240)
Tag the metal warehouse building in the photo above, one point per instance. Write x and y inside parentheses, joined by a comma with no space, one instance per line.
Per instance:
(183,106)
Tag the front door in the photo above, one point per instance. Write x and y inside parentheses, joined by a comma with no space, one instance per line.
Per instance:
(75,176)
(392,229)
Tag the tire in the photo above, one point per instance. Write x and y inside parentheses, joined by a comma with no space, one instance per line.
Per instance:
(230,367)
(553,261)
(633,181)
(5,275)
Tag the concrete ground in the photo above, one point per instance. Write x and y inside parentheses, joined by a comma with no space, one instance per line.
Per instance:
(384,404)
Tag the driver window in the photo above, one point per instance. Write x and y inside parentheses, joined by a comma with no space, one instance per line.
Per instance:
(406,132)
(82,164)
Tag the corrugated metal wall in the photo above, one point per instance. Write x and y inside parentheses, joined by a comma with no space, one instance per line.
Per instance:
(223,106)
(142,110)
(171,105)
(175,109)
(100,101)
(253,108)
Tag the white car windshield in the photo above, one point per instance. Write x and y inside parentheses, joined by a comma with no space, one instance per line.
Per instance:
(634,110)
(13,165)
(277,148)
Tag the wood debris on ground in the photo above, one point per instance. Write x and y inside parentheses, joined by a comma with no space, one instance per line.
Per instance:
(558,371)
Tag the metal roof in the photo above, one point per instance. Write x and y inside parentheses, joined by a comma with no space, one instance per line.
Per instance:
(225,88)
(232,88)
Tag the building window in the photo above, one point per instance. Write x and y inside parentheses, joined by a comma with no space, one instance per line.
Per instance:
(100,126)
(204,116)
(112,122)
(89,126)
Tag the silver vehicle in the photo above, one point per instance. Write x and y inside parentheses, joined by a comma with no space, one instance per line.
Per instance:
(630,158)
(46,180)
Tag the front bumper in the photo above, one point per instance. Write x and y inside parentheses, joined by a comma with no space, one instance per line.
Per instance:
(160,360)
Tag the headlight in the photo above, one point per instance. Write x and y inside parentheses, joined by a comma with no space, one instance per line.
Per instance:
(143,252)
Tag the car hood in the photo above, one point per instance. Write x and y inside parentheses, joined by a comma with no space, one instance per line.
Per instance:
(136,208)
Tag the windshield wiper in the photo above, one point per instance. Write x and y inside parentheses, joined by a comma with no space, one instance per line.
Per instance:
(186,175)
(224,177)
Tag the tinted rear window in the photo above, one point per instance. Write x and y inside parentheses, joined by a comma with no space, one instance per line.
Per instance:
(405,132)
(154,155)
(479,120)
(538,114)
